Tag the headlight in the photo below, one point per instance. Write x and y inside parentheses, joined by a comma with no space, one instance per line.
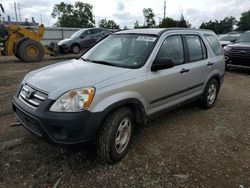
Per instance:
(227,48)
(74,101)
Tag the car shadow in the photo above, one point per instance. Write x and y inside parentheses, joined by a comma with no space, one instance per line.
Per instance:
(239,70)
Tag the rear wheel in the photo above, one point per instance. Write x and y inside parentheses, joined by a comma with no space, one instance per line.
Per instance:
(30,51)
(115,135)
(210,94)
(16,47)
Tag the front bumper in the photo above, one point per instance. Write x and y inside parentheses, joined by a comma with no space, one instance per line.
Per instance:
(55,127)
(237,60)
(64,48)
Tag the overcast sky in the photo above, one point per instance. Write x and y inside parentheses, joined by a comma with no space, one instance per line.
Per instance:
(126,12)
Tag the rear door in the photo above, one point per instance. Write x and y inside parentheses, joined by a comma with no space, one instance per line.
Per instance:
(197,62)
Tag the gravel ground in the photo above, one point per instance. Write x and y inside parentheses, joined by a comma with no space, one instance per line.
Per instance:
(187,147)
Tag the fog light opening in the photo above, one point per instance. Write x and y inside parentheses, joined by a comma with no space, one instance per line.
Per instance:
(60,133)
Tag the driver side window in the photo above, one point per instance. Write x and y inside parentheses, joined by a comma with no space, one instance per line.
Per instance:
(172,48)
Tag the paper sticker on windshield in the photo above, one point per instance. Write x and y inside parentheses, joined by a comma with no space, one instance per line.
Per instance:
(145,38)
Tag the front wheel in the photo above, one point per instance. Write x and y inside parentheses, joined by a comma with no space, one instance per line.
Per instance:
(210,94)
(115,135)
(75,48)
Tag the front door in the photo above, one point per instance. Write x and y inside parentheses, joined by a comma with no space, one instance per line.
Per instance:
(167,87)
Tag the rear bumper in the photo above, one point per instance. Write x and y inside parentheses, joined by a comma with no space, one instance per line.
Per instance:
(58,128)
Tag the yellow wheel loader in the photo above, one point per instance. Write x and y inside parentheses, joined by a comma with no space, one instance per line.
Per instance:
(23,43)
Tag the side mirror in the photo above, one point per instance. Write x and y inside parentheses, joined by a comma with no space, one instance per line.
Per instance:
(82,36)
(233,40)
(162,63)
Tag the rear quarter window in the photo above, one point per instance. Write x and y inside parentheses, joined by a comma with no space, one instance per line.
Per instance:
(214,43)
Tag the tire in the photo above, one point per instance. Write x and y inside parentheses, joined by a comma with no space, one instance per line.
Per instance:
(210,94)
(75,49)
(115,136)
(30,51)
(16,46)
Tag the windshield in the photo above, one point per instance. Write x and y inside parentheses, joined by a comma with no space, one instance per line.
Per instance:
(245,37)
(130,51)
(228,38)
(77,34)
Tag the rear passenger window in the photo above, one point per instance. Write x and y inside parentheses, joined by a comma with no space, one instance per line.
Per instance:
(214,43)
(196,48)
(98,30)
(172,48)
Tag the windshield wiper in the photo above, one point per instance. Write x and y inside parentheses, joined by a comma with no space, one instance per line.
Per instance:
(85,59)
(103,62)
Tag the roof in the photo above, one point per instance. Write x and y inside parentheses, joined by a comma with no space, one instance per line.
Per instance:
(158,31)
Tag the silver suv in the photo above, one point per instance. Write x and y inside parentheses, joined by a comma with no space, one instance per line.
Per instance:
(120,83)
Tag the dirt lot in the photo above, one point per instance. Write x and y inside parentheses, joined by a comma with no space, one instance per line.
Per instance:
(187,147)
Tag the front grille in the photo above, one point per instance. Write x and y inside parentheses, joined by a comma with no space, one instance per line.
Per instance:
(31,96)
(240,52)
(29,122)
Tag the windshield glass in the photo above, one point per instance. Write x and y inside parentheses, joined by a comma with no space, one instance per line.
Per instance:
(77,34)
(228,38)
(130,51)
(245,37)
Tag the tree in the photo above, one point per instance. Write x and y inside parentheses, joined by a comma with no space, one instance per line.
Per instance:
(125,27)
(149,18)
(168,22)
(182,22)
(227,24)
(136,24)
(223,26)
(211,25)
(77,15)
(244,23)
(108,24)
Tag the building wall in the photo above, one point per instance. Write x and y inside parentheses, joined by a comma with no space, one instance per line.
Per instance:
(55,34)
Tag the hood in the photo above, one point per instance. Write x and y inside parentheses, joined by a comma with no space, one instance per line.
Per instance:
(72,74)
(64,41)
(240,45)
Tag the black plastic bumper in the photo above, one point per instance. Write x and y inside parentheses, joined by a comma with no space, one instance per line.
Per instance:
(64,48)
(237,60)
(55,127)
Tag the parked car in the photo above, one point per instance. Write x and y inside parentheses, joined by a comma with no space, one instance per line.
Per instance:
(237,54)
(119,83)
(228,39)
(83,39)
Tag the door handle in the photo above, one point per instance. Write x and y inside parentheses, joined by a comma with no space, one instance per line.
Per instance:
(184,70)
(209,64)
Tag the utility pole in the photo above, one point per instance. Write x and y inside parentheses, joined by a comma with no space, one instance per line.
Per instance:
(2,9)
(19,11)
(41,18)
(164,16)
(15,11)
